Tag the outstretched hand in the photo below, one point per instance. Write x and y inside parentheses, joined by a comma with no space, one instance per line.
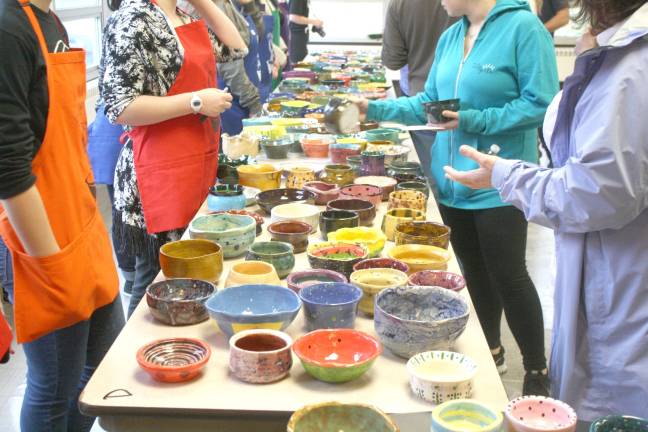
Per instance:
(479,178)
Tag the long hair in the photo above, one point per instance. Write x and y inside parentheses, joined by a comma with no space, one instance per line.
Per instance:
(113,5)
(603,14)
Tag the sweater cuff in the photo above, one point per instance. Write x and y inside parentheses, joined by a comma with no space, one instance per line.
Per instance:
(374,111)
(501,171)
(467,120)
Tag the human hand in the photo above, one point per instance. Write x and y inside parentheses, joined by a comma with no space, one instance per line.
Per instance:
(479,178)
(215,101)
(362,104)
(452,124)
(317,22)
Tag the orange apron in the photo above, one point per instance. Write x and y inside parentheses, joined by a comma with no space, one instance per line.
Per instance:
(60,290)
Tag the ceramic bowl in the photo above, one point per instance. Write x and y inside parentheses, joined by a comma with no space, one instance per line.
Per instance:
(369,125)
(617,423)
(269,199)
(234,233)
(294,232)
(372,281)
(419,186)
(336,256)
(333,220)
(247,307)
(317,146)
(370,193)
(324,192)
(336,417)
(252,272)
(466,415)
(411,320)
(280,255)
(371,238)
(376,263)
(297,212)
(393,153)
(260,176)
(422,232)
(193,259)
(354,162)
(440,376)
(421,257)
(250,194)
(226,197)
(540,414)
(404,167)
(443,279)
(339,152)
(434,110)
(337,355)
(179,301)
(174,360)
(410,199)
(383,134)
(366,210)
(300,279)
(298,176)
(258,218)
(276,149)
(387,184)
(330,305)
(260,356)
(396,216)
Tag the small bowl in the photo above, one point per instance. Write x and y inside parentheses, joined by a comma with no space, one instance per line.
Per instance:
(336,256)
(369,125)
(396,216)
(421,257)
(418,186)
(338,355)
(269,199)
(373,263)
(371,238)
(372,281)
(297,212)
(330,305)
(410,320)
(276,149)
(234,233)
(258,218)
(300,279)
(316,146)
(247,307)
(280,255)
(250,194)
(422,232)
(324,192)
(383,134)
(466,414)
(252,272)
(333,220)
(617,423)
(339,152)
(260,176)
(370,193)
(366,210)
(541,414)
(294,232)
(174,360)
(410,199)
(260,356)
(443,279)
(193,259)
(226,197)
(387,184)
(393,153)
(336,417)
(434,110)
(179,302)
(440,376)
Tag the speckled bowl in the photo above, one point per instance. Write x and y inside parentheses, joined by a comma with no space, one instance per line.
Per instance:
(373,281)
(440,376)
(618,423)
(540,414)
(179,302)
(422,232)
(234,233)
(267,200)
(366,192)
(366,210)
(257,217)
(174,360)
(443,279)
(300,279)
(387,184)
(330,305)
(336,417)
(280,255)
(336,256)
(408,199)
(466,415)
(260,356)
(381,263)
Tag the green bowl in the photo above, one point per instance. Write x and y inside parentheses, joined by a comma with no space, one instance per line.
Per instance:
(335,417)
(614,423)
(383,134)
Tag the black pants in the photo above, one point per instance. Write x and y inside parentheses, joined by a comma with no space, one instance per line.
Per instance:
(298,48)
(490,245)
(125,261)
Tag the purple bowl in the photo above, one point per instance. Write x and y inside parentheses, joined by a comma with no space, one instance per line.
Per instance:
(381,263)
(443,279)
(300,279)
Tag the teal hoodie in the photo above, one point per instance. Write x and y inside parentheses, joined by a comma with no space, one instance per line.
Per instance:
(505,85)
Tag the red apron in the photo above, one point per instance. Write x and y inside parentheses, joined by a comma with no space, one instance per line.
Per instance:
(176,160)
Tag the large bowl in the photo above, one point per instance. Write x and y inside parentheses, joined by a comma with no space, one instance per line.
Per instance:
(280,255)
(466,415)
(443,279)
(541,414)
(372,281)
(373,263)
(193,259)
(410,320)
(387,184)
(260,176)
(330,305)
(336,417)
(366,192)
(421,257)
(336,256)
(324,192)
(179,301)
(174,360)
(422,232)
(371,238)
(297,212)
(336,355)
(252,273)
(440,376)
(269,199)
(618,423)
(300,279)
(234,233)
(260,356)
(246,307)
(294,232)
(257,217)
(366,210)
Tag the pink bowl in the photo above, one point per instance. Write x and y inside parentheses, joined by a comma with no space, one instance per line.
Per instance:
(324,192)
(370,193)
(443,279)
(539,414)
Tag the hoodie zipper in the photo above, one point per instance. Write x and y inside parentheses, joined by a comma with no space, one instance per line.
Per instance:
(452,132)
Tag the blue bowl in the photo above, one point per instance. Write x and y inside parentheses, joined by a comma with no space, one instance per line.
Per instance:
(246,307)
(330,305)
(226,197)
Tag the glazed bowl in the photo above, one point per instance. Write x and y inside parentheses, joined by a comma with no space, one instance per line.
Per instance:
(366,210)
(226,197)
(387,184)
(333,220)
(354,162)
(422,232)
(300,279)
(618,423)
(280,255)
(247,307)
(174,360)
(260,356)
(330,305)
(541,414)
(369,125)
(393,153)
(440,376)
(336,355)
(250,194)
(339,152)
(234,233)
(370,193)
(466,414)
(421,257)
(324,192)
(258,218)
(410,199)
(294,232)
(252,272)
(317,146)
(267,200)
(260,176)
(336,417)
(404,167)
(297,212)
(419,186)
(410,320)
(298,176)
(179,302)
(443,279)
(373,281)
(396,216)
(383,134)
(193,259)
(377,263)
(434,110)
(336,256)
(371,238)
(276,149)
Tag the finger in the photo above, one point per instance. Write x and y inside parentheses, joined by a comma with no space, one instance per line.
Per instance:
(450,114)
(473,154)
(463,177)
(228,97)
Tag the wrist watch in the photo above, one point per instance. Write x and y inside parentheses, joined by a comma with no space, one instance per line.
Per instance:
(196,103)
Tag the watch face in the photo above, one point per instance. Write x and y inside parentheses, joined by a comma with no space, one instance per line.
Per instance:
(195,103)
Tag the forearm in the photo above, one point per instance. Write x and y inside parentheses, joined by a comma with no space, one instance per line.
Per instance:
(221,25)
(559,20)
(146,110)
(298,19)
(29,219)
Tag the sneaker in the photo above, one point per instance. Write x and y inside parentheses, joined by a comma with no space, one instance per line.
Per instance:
(500,363)
(128,287)
(536,384)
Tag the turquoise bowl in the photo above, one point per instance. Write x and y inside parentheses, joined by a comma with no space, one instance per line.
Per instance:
(234,233)
(466,415)
(280,254)
(617,423)
(383,134)
(335,417)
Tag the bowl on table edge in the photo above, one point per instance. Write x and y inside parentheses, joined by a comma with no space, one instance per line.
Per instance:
(539,414)
(336,417)
(440,376)
(179,302)
(466,414)
(422,232)
(260,356)
(443,279)
(174,360)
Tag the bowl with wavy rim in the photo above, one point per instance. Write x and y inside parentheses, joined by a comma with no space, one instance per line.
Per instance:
(440,376)
(372,281)
(371,263)
(466,415)
(336,256)
(421,257)
(193,259)
(336,417)
(443,279)
(618,423)
(260,176)
(297,212)
(294,232)
(258,218)
(330,305)
(174,360)
(300,279)
(179,302)
(422,232)
(267,200)
(539,414)
(371,238)
(234,233)
(366,210)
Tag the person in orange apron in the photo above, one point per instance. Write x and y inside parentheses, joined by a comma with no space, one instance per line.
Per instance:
(158,77)
(67,311)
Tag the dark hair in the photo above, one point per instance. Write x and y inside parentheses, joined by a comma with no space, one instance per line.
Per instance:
(603,14)
(113,5)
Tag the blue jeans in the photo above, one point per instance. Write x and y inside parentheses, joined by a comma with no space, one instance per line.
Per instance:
(60,364)
(146,269)
(423,141)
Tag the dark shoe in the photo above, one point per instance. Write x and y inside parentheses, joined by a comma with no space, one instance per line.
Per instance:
(128,287)
(536,384)
(500,363)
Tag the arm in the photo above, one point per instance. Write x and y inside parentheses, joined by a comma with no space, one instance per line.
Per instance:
(394,47)
(235,77)
(219,24)
(559,20)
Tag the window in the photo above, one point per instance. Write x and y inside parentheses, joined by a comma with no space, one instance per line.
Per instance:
(341,19)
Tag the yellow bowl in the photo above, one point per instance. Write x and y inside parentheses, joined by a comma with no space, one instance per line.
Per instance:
(371,238)
(193,259)
(263,176)
(372,281)
(288,122)
(396,216)
(252,273)
(421,257)
(271,132)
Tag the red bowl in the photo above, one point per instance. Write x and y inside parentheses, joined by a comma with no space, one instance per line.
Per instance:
(373,194)
(381,263)
(443,279)
(174,360)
